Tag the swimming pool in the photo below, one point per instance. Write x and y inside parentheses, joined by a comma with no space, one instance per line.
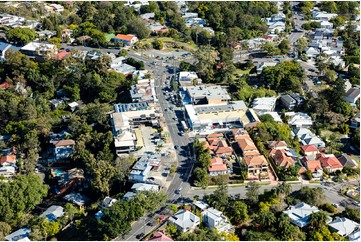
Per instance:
(58,172)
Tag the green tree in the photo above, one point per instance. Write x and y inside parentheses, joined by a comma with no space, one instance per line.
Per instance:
(284,46)
(138,28)
(172,230)
(313,196)
(252,192)
(238,212)
(19,196)
(157,44)
(21,36)
(266,219)
(173,208)
(301,45)
(5,230)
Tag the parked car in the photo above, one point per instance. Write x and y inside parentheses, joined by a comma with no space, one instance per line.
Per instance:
(335,205)
(139,236)
(178,191)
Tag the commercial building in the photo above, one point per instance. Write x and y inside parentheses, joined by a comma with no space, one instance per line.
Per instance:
(206,95)
(218,117)
(126,117)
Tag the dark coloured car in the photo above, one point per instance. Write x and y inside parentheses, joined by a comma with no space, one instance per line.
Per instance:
(139,236)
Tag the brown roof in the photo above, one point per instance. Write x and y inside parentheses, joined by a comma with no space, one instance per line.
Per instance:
(217,165)
(159,236)
(8,158)
(282,159)
(255,160)
(309,148)
(313,165)
(64,142)
(277,144)
(246,144)
(330,162)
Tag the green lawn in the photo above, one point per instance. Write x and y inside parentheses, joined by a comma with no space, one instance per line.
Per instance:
(242,72)
(190,46)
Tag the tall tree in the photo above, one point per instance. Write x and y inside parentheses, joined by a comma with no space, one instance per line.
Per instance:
(252,192)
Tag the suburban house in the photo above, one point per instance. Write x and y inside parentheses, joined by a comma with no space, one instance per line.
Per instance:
(217,145)
(19,235)
(299,120)
(5,47)
(62,148)
(310,151)
(214,218)
(306,137)
(185,221)
(318,15)
(330,163)
(159,236)
(352,95)
(144,187)
(346,160)
(311,52)
(200,205)
(300,213)
(107,202)
(218,167)
(264,104)
(7,171)
(277,145)
(53,213)
(36,49)
(262,65)
(291,101)
(314,166)
(257,167)
(126,39)
(355,236)
(246,145)
(343,226)
(76,198)
(276,117)
(143,91)
(8,160)
(282,158)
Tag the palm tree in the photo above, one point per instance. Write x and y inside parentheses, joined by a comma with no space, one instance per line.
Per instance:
(266,219)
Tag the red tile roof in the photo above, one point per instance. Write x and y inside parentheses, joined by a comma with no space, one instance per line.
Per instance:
(5,85)
(124,37)
(281,159)
(159,236)
(330,162)
(217,165)
(313,165)
(8,158)
(255,160)
(62,54)
(309,148)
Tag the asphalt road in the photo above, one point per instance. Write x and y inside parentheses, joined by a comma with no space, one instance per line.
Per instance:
(330,191)
(172,118)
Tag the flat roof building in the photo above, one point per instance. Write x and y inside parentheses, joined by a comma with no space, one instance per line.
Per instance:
(264,104)
(126,117)
(207,94)
(215,117)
